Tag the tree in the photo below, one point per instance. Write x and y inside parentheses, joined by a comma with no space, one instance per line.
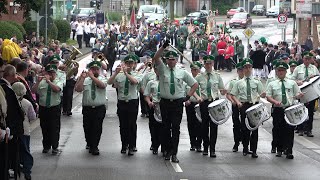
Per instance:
(172,9)
(25,5)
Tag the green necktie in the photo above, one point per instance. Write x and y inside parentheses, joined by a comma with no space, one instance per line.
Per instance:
(172,88)
(126,86)
(209,86)
(158,93)
(198,91)
(248,90)
(307,74)
(93,91)
(48,99)
(284,97)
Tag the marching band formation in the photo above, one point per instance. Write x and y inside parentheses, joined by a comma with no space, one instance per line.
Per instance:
(144,64)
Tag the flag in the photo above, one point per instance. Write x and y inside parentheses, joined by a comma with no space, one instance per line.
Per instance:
(133,17)
(108,21)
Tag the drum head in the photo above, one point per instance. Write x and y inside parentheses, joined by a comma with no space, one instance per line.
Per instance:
(305,84)
(293,107)
(215,103)
(196,105)
(254,107)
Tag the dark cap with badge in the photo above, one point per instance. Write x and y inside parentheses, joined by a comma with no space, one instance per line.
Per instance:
(51,68)
(54,59)
(293,63)
(130,57)
(239,65)
(171,55)
(247,61)
(307,54)
(274,62)
(94,64)
(196,65)
(208,59)
(282,64)
(284,56)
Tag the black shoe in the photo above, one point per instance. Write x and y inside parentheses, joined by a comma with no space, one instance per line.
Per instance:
(279,154)
(199,149)
(87,146)
(192,148)
(27,177)
(205,152)
(213,154)
(69,114)
(245,152)
(147,115)
(254,155)
(273,150)
(130,152)
(142,115)
(45,151)
(309,134)
(174,159)
(300,133)
(155,151)
(297,131)
(95,152)
(151,148)
(167,156)
(134,149)
(164,153)
(235,148)
(289,156)
(64,113)
(55,151)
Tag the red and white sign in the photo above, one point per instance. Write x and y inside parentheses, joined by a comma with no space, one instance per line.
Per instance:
(282,18)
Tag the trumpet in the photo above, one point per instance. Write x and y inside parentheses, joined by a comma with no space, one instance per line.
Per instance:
(101,57)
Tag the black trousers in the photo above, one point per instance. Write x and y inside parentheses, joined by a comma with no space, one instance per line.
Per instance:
(206,123)
(308,125)
(128,112)
(283,136)
(248,136)
(86,38)
(171,113)
(79,40)
(73,33)
(221,61)
(237,135)
(143,104)
(50,125)
(155,130)
(92,124)
(3,162)
(228,63)
(68,95)
(194,126)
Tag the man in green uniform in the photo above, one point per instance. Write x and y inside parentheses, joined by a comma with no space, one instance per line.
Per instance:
(49,89)
(240,50)
(194,125)
(237,135)
(211,86)
(247,92)
(127,80)
(93,85)
(281,93)
(302,73)
(172,93)
(181,45)
(293,64)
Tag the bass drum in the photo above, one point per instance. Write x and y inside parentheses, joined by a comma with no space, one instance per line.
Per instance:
(256,115)
(296,114)
(310,89)
(220,111)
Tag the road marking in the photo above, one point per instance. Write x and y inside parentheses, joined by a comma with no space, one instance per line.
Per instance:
(176,167)
(306,143)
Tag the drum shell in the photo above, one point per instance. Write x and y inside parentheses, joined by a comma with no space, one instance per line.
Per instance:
(296,114)
(157,112)
(310,89)
(257,114)
(221,111)
(198,112)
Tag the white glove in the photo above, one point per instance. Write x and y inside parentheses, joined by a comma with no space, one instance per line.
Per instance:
(2,134)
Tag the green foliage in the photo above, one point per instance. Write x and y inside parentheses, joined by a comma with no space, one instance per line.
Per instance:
(71,42)
(223,6)
(19,26)
(7,31)
(115,16)
(64,30)
(52,33)
(30,26)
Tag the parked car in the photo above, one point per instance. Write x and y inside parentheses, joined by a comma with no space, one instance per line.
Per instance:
(273,11)
(240,20)
(153,11)
(84,13)
(231,12)
(201,17)
(259,10)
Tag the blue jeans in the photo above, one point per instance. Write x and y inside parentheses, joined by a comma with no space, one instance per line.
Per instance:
(26,158)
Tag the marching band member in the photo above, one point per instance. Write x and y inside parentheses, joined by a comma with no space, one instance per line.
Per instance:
(172,94)
(49,89)
(237,135)
(128,103)
(181,45)
(281,94)
(228,56)
(93,85)
(221,46)
(211,86)
(302,73)
(293,64)
(194,126)
(247,92)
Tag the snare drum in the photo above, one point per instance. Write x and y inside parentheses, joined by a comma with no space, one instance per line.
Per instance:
(310,89)
(256,115)
(220,111)
(198,112)
(296,114)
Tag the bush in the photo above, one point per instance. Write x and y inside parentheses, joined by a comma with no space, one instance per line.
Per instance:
(223,7)
(52,32)
(19,26)
(30,26)
(64,30)
(7,31)
(115,16)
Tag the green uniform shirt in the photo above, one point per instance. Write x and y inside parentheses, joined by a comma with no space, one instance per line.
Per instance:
(192,98)
(271,79)
(240,90)
(216,84)
(214,51)
(120,81)
(100,93)
(62,77)
(148,77)
(289,74)
(180,76)
(232,83)
(299,72)
(274,90)
(55,96)
(203,44)
(181,43)
(152,90)
(240,51)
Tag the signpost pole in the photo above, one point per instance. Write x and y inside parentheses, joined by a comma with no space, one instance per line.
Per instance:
(248,56)
(284,34)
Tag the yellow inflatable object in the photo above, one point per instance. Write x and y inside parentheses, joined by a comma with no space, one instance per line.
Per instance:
(10,50)
(316,105)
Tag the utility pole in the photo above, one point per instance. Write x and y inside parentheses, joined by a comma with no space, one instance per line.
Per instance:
(46,20)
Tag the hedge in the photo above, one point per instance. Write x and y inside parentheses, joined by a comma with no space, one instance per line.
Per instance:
(7,31)
(19,26)
(31,26)
(64,30)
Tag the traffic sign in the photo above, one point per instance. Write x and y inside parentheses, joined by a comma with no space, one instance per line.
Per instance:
(248,33)
(282,26)
(282,18)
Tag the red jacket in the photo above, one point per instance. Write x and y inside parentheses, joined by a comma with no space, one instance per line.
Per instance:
(229,52)
(221,46)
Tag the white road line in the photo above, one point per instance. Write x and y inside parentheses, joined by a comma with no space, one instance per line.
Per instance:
(176,167)
(306,143)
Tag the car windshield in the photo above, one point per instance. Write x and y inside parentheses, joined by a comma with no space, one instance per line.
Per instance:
(147,9)
(274,8)
(194,14)
(240,16)
(258,6)
(82,11)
